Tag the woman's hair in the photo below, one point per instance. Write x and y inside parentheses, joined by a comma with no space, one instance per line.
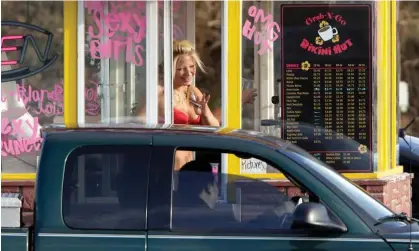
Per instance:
(181,48)
(184,47)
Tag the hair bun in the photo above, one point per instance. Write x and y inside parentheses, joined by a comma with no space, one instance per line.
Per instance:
(182,46)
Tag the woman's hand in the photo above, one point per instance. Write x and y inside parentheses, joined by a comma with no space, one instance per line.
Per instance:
(201,105)
(249,95)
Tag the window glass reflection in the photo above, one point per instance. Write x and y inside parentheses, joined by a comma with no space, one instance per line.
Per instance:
(116,48)
(115,44)
(29,103)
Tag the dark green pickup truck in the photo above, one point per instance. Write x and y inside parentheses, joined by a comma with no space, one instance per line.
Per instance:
(116,189)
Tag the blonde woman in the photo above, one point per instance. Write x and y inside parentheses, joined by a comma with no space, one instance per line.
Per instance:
(190,105)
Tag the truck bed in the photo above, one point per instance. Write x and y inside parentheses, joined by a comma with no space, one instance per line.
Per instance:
(14,239)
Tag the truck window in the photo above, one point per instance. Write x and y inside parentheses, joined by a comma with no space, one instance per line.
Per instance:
(252,205)
(105,187)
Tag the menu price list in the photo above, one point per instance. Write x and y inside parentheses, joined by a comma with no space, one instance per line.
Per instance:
(333,100)
(342,159)
(326,82)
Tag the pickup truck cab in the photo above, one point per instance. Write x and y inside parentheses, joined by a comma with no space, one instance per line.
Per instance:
(409,159)
(115,188)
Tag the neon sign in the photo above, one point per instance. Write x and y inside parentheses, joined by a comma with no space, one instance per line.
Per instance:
(25,71)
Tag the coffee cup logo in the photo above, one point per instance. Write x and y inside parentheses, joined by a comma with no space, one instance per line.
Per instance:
(327,40)
(327,32)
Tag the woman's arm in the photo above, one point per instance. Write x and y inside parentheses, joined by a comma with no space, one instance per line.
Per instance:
(217,114)
(207,117)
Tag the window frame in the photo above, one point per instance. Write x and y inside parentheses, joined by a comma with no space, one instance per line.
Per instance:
(84,150)
(285,232)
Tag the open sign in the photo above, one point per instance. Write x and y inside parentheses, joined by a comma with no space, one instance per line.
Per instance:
(21,43)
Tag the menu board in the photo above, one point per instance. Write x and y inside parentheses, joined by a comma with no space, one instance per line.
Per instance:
(327,83)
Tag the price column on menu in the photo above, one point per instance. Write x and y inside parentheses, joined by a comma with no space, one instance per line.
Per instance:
(328,102)
(318,109)
(338,81)
(362,93)
(350,101)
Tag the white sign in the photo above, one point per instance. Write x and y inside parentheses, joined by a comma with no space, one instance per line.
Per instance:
(253,166)
(403,96)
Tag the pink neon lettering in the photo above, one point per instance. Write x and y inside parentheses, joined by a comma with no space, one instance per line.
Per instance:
(22,143)
(120,22)
(34,127)
(126,30)
(263,38)
(126,22)
(17,127)
(49,103)
(94,6)
(129,6)
(9,62)
(91,97)
(9,38)
(14,127)
(5,127)
(247,31)
(141,22)
(15,147)
(112,21)
(9,48)
(259,14)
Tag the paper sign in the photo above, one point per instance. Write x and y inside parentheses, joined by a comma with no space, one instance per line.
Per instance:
(253,166)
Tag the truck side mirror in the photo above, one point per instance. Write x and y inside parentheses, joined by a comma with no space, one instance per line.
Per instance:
(314,216)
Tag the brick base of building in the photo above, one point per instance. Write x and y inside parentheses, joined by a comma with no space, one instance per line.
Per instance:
(394,191)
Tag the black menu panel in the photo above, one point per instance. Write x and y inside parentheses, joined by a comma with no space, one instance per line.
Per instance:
(327,82)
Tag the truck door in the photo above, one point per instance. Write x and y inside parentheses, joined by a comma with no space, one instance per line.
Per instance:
(103,204)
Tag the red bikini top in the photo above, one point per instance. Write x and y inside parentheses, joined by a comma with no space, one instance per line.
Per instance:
(183,118)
